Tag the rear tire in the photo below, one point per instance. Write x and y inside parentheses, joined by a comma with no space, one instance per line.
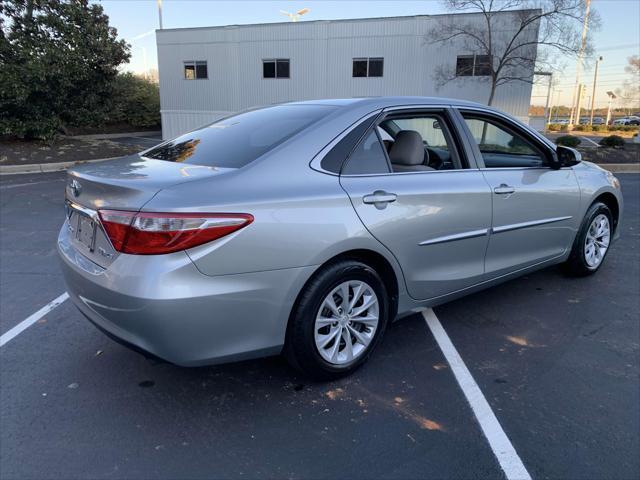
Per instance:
(592,242)
(322,321)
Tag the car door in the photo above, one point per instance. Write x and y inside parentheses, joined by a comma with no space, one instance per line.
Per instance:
(435,222)
(535,207)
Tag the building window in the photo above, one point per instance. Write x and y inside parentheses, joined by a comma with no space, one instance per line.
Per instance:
(275,68)
(195,70)
(368,67)
(473,66)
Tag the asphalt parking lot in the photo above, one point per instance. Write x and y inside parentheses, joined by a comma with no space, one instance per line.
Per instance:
(557,359)
(146,141)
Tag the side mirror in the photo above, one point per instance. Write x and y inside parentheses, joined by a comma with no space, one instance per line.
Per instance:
(566,157)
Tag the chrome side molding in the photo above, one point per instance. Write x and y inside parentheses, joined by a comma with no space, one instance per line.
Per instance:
(533,223)
(457,236)
(488,231)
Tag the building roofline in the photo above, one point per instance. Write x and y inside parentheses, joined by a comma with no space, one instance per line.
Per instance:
(339,20)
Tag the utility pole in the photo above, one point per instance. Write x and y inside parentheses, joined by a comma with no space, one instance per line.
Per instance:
(557,101)
(576,99)
(160,12)
(593,93)
(547,114)
(581,90)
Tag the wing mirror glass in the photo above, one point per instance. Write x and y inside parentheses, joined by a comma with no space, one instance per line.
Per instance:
(565,157)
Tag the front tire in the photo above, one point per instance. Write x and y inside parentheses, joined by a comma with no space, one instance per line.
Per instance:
(592,241)
(338,321)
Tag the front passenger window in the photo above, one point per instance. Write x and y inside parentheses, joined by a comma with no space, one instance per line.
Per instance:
(501,147)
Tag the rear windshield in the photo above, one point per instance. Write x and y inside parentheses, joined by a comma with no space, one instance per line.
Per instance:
(236,141)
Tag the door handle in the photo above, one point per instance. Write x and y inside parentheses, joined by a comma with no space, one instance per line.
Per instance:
(504,189)
(379,198)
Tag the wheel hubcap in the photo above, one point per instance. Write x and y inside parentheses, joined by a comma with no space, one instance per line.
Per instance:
(597,241)
(346,322)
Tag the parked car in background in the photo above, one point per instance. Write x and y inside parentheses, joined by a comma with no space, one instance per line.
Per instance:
(630,120)
(561,121)
(306,228)
(596,121)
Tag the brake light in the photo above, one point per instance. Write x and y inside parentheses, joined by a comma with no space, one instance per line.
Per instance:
(150,233)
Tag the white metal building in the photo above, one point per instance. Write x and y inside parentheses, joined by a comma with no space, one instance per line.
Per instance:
(209,72)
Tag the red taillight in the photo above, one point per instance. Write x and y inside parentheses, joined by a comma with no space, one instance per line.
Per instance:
(147,233)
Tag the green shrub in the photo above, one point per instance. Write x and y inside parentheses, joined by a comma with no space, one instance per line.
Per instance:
(613,141)
(568,141)
(599,128)
(57,62)
(553,127)
(564,128)
(135,101)
(579,128)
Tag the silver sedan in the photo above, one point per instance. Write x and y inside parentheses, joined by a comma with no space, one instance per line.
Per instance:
(305,228)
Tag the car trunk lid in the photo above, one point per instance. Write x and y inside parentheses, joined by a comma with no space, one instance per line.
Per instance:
(130,182)
(123,184)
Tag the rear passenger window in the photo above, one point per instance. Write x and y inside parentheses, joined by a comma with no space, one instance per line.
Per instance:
(367,158)
(420,142)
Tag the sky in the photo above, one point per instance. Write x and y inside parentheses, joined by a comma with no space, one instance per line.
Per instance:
(136,21)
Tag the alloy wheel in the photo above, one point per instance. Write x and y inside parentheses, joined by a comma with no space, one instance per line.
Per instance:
(597,241)
(346,322)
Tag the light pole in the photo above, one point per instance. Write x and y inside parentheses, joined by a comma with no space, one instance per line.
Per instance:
(160,13)
(593,93)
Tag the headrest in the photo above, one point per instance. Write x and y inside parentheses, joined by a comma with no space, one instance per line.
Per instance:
(408,148)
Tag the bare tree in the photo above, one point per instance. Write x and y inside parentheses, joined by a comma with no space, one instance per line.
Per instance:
(506,48)
(629,94)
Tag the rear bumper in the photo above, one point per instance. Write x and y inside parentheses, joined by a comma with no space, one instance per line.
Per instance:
(161,304)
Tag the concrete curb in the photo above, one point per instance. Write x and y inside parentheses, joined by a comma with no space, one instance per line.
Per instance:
(57,167)
(107,136)
(46,167)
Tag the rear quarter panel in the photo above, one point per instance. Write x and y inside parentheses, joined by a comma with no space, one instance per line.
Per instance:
(301,217)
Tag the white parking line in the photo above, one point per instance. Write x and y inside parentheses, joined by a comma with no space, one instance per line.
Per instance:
(15,185)
(589,140)
(506,455)
(27,322)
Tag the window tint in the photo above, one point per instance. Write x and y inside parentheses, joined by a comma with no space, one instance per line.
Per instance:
(500,147)
(282,68)
(464,66)
(368,67)
(275,68)
(482,66)
(473,65)
(376,66)
(333,161)
(367,158)
(195,70)
(360,67)
(236,141)
(269,69)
